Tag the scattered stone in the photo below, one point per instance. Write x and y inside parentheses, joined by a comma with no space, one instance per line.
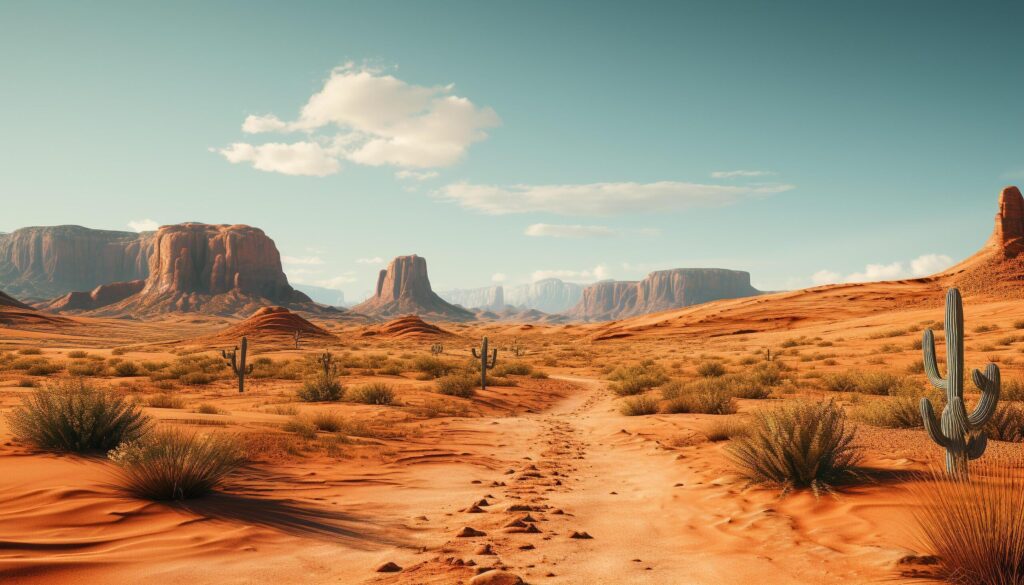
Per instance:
(389,567)
(517,523)
(484,549)
(527,547)
(582,535)
(474,509)
(521,508)
(470,532)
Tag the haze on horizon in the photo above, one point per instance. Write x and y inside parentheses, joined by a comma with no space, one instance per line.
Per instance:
(804,144)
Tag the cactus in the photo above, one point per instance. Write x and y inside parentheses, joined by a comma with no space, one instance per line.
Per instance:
(484,363)
(238,365)
(962,435)
(517,350)
(298,335)
(436,349)
(327,363)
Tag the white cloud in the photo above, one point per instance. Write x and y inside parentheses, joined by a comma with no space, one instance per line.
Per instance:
(826,277)
(375,260)
(407,175)
(930,264)
(374,119)
(601,198)
(303,260)
(539,230)
(599,272)
(303,276)
(143,225)
(337,281)
(499,277)
(297,158)
(740,173)
(924,265)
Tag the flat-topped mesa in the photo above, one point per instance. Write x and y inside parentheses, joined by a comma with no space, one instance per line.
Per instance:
(46,262)
(403,288)
(1008,234)
(661,291)
(216,259)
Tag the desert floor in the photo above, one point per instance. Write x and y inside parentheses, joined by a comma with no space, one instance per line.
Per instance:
(528,467)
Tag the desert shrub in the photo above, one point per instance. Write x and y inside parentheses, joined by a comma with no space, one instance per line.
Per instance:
(127,369)
(725,428)
(500,381)
(842,381)
(165,400)
(196,379)
(27,383)
(878,383)
(710,369)
(324,387)
(1019,324)
(207,408)
(513,369)
(301,426)
(673,389)
(538,375)
(916,367)
(1012,389)
(30,351)
(287,409)
(461,385)
(165,385)
(768,374)
(628,381)
(392,369)
(328,422)
(639,406)
(706,400)
(436,408)
(973,526)
(44,368)
(1007,423)
(118,351)
(174,465)
(432,366)
(897,412)
(985,328)
(374,393)
(797,445)
(77,354)
(75,416)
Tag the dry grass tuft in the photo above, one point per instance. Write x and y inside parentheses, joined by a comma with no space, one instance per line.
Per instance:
(639,406)
(174,465)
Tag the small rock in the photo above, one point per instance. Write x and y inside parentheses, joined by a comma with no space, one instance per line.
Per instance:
(389,567)
(470,532)
(484,549)
(582,535)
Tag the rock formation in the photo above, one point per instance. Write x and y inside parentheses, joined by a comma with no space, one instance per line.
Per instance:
(549,295)
(7,301)
(403,288)
(101,296)
(45,262)
(16,314)
(273,324)
(660,291)
(407,327)
(998,267)
(490,297)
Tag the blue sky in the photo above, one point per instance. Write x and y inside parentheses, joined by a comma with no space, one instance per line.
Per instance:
(508,141)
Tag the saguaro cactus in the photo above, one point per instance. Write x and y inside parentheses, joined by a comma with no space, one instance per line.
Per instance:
(237,363)
(484,363)
(327,363)
(298,336)
(959,433)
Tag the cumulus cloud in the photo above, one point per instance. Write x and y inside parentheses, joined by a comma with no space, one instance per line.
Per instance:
(143,225)
(407,175)
(601,198)
(367,117)
(540,230)
(599,272)
(376,260)
(499,277)
(740,174)
(302,260)
(924,265)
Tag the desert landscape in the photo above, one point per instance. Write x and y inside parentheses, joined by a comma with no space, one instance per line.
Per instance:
(366,449)
(511,293)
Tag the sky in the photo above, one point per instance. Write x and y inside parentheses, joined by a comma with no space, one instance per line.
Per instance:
(804,142)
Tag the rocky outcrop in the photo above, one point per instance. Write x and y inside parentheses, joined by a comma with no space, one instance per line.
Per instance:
(403,288)
(101,296)
(549,295)
(1008,235)
(407,327)
(490,297)
(661,291)
(274,324)
(998,268)
(45,262)
(7,301)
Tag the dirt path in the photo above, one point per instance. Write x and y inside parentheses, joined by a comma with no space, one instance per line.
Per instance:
(657,513)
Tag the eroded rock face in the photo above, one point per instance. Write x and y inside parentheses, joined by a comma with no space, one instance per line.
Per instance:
(403,288)
(661,291)
(45,262)
(491,297)
(550,295)
(1009,229)
(100,296)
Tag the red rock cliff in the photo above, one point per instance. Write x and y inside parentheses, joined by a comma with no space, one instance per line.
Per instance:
(661,291)
(404,288)
(44,262)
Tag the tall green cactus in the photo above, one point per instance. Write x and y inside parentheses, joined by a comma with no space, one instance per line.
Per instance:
(484,364)
(237,363)
(961,435)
